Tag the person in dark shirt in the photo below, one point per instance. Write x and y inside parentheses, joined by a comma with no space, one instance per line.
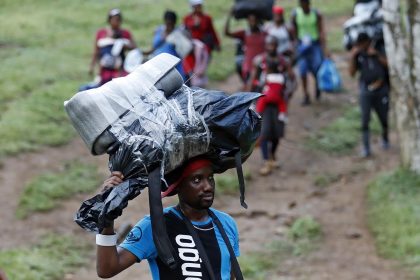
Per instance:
(372,65)
(195,187)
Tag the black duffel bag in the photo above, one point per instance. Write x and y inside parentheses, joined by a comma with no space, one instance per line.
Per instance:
(263,9)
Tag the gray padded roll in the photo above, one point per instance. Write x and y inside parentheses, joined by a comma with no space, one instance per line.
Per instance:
(93,111)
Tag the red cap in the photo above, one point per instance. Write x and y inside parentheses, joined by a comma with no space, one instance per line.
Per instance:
(278,10)
(191,167)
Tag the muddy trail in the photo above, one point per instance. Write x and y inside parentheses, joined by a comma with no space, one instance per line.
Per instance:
(346,250)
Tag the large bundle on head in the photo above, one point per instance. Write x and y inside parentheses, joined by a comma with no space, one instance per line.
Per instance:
(367,19)
(263,9)
(150,124)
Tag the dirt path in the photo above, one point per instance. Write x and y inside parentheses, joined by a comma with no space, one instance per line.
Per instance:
(347,249)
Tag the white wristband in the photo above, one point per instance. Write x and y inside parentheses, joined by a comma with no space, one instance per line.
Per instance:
(106,240)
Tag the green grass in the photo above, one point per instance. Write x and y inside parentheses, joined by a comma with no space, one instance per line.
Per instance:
(326,179)
(227,183)
(44,192)
(303,237)
(343,134)
(394,216)
(54,256)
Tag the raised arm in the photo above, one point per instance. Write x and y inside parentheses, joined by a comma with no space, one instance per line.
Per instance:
(111,260)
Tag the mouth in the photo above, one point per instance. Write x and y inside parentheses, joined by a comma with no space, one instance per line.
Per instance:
(207,197)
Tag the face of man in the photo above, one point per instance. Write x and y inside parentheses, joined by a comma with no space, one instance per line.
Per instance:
(115,22)
(253,22)
(197,8)
(271,48)
(305,5)
(278,18)
(170,25)
(197,190)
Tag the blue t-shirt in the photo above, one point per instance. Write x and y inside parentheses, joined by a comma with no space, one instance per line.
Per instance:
(140,243)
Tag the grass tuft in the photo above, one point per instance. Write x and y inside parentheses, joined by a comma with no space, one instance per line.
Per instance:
(44,192)
(304,232)
(342,135)
(227,183)
(54,256)
(394,216)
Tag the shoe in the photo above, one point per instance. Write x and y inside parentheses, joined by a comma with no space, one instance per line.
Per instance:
(365,154)
(266,169)
(318,95)
(306,101)
(274,164)
(385,145)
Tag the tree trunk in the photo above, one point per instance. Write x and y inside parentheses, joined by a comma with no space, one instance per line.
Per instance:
(402,41)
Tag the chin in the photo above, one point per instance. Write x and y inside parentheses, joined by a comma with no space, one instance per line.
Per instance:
(206,204)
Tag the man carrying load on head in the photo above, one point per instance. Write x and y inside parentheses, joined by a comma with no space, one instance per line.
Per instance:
(200,25)
(110,43)
(191,225)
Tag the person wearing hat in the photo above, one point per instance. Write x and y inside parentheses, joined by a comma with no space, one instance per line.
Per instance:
(110,63)
(312,45)
(371,63)
(195,186)
(253,39)
(278,29)
(200,25)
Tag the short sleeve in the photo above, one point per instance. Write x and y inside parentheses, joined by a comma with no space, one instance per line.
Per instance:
(235,246)
(140,240)
(240,34)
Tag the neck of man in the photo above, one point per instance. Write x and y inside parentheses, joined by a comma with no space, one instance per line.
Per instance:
(196,215)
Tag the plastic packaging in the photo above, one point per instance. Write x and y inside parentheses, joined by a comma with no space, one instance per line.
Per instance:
(328,77)
(261,8)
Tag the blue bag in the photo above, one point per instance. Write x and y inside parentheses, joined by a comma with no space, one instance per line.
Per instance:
(328,77)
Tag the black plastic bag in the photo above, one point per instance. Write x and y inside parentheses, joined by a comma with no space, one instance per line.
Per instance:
(227,127)
(98,212)
(260,8)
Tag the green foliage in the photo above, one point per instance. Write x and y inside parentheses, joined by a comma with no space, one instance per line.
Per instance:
(227,183)
(305,232)
(324,180)
(49,260)
(44,192)
(394,216)
(257,265)
(343,134)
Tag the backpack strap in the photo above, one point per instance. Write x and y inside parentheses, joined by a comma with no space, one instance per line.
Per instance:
(239,171)
(198,243)
(160,235)
(235,265)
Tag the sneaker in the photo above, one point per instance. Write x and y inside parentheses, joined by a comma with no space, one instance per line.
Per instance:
(365,154)
(385,145)
(318,95)
(306,101)
(266,169)
(274,164)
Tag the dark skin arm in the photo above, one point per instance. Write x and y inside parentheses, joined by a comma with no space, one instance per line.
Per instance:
(352,65)
(228,32)
(94,60)
(111,260)
(381,58)
(322,35)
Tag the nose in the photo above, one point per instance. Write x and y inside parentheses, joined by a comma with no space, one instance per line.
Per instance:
(208,186)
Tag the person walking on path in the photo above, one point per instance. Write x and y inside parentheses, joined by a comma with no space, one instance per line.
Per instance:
(253,39)
(271,70)
(309,31)
(190,225)
(281,32)
(372,65)
(200,25)
(161,39)
(110,44)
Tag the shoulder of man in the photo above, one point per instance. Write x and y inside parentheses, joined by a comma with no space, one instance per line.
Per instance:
(225,219)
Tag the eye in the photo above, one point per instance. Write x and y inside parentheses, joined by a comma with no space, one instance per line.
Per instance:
(196,180)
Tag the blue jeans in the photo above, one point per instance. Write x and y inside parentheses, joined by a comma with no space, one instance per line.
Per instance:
(310,58)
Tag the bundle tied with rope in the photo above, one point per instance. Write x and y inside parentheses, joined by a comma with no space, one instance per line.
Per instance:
(150,124)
